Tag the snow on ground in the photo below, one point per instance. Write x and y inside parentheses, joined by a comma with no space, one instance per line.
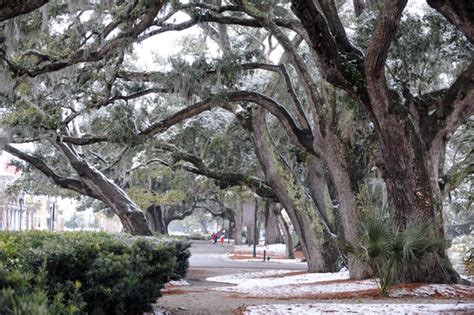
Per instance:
(266,283)
(285,284)
(277,260)
(366,308)
(178,283)
(237,278)
(445,290)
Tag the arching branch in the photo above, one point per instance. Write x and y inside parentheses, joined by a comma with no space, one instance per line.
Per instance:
(385,30)
(458,12)
(229,20)
(64,182)
(99,50)
(334,65)
(225,179)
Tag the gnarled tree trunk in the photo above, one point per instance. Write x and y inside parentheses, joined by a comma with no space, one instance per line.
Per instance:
(131,216)
(413,192)
(238,225)
(155,219)
(272,231)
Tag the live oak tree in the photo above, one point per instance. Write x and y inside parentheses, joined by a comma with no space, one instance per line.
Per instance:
(410,140)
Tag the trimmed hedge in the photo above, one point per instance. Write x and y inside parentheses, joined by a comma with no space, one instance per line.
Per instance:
(85,272)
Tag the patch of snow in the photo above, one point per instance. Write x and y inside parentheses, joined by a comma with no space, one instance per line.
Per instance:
(444,290)
(179,283)
(365,308)
(309,289)
(273,283)
(273,260)
(237,278)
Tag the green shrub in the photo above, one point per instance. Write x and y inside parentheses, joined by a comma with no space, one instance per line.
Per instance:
(19,297)
(91,272)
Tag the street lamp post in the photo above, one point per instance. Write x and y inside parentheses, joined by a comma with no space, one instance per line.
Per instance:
(52,215)
(255,229)
(21,200)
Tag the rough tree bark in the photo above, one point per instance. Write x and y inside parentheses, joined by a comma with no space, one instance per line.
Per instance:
(12,8)
(155,219)
(238,225)
(272,231)
(317,186)
(203,225)
(131,216)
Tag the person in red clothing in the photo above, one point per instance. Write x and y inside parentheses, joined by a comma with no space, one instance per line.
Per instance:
(214,237)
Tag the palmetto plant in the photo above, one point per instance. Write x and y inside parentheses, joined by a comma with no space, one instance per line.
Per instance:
(391,252)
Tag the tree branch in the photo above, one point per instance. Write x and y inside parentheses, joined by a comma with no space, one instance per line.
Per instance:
(118,159)
(64,182)
(13,8)
(230,20)
(457,174)
(455,107)
(336,66)
(225,179)
(86,140)
(385,30)
(180,116)
(85,55)
(288,46)
(153,76)
(459,13)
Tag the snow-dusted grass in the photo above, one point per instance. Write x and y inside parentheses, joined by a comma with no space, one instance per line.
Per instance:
(238,278)
(286,285)
(426,290)
(178,283)
(274,283)
(273,260)
(366,308)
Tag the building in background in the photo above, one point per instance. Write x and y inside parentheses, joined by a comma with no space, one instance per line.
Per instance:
(19,211)
(12,207)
